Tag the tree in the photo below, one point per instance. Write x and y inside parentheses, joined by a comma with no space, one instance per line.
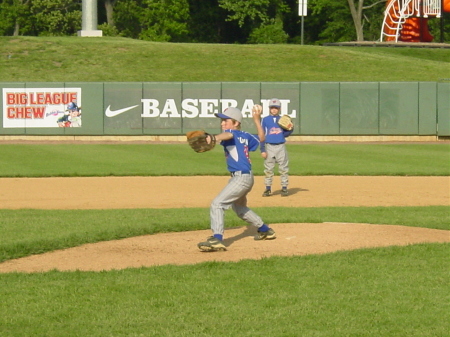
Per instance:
(357,15)
(152,20)
(264,17)
(336,14)
(252,10)
(207,23)
(56,17)
(109,7)
(356,12)
(127,17)
(14,16)
(164,20)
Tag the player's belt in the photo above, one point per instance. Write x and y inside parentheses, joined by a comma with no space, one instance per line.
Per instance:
(239,173)
(275,143)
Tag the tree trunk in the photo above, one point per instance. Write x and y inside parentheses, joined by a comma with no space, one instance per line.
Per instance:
(357,18)
(16,29)
(109,6)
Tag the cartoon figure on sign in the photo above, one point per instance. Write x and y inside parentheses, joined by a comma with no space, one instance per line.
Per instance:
(71,118)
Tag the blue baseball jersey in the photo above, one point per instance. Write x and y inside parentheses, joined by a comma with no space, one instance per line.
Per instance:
(237,150)
(273,132)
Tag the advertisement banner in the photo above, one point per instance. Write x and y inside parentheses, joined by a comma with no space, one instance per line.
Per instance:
(41,107)
(174,108)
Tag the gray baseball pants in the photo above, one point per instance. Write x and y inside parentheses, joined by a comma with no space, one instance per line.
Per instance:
(276,154)
(234,195)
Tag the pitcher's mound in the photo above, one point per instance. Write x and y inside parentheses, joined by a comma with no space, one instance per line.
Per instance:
(181,248)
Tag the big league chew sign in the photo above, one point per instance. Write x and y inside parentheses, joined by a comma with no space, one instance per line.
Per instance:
(37,107)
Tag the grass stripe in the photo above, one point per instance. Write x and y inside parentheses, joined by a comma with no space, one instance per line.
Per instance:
(47,230)
(69,160)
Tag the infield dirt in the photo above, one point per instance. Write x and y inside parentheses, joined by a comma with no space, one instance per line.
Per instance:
(198,191)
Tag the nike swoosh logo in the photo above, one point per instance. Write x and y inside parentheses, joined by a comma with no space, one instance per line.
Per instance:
(112,113)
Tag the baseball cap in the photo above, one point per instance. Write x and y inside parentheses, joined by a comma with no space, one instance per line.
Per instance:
(72,106)
(233,113)
(275,102)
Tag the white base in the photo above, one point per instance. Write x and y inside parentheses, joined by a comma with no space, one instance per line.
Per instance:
(95,33)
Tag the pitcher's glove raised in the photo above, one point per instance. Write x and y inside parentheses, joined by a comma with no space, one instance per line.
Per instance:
(285,122)
(200,141)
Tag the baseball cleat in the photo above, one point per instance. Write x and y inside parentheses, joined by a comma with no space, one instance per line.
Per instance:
(284,192)
(211,244)
(267,193)
(269,235)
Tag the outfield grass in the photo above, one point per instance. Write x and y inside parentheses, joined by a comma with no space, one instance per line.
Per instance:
(108,59)
(394,291)
(178,159)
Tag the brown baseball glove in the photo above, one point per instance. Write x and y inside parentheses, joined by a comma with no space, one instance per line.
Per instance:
(200,141)
(285,122)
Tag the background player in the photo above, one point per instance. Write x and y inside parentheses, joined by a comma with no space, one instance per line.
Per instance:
(237,144)
(273,150)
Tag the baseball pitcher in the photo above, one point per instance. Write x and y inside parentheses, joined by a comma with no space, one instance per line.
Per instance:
(237,145)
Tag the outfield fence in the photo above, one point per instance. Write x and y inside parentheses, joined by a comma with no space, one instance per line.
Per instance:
(167,110)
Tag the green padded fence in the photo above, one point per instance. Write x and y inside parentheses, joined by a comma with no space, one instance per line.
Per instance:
(173,108)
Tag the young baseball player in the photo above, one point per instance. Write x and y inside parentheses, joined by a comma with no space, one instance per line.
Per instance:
(273,149)
(237,144)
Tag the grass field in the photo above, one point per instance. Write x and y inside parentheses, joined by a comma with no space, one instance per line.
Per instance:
(178,159)
(107,59)
(393,291)
(375,292)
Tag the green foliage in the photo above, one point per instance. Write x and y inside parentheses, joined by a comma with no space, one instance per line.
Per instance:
(127,17)
(335,22)
(15,14)
(8,15)
(339,23)
(438,30)
(56,17)
(108,30)
(164,20)
(207,22)
(262,18)
(159,20)
(271,33)
(253,10)
(214,21)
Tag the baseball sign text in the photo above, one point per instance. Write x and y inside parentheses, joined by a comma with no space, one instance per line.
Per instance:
(199,107)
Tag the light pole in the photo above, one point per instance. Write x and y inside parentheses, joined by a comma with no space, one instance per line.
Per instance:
(302,11)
